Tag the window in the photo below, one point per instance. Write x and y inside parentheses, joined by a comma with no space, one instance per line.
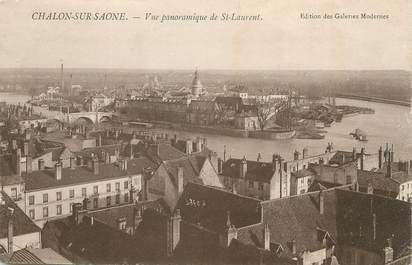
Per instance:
(250,183)
(71,207)
(45,211)
(117,198)
(309,182)
(126,197)
(45,198)
(260,186)
(117,186)
(95,189)
(84,192)
(403,187)
(95,203)
(348,179)
(302,191)
(59,209)
(31,199)
(108,187)
(31,214)
(126,185)
(71,193)
(302,181)
(108,201)
(59,195)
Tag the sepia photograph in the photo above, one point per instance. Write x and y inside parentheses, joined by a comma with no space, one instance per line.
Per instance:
(206,132)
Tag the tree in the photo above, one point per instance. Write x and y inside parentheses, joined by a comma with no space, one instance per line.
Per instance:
(266,110)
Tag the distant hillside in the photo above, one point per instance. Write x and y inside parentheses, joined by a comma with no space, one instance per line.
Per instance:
(389,84)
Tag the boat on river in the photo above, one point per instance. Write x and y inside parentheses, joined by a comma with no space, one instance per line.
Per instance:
(358,134)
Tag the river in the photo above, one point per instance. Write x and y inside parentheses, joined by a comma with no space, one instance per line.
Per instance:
(390,123)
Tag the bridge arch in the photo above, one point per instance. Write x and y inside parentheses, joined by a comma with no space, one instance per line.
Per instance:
(83,119)
(105,118)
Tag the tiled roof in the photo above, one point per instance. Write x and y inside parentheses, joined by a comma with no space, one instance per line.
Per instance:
(37,256)
(191,168)
(22,223)
(46,178)
(166,152)
(378,180)
(110,215)
(298,218)
(209,206)
(258,171)
(6,168)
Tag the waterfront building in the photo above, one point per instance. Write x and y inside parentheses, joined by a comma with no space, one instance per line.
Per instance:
(50,193)
(267,180)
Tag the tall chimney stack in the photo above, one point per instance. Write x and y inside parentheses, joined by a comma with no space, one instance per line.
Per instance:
(362,158)
(389,167)
(180,180)
(95,165)
(380,157)
(243,168)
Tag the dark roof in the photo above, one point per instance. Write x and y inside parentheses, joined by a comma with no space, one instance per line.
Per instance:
(22,223)
(342,157)
(166,152)
(37,256)
(209,207)
(258,171)
(191,168)
(298,218)
(46,178)
(6,167)
(401,177)
(110,215)
(379,181)
(98,150)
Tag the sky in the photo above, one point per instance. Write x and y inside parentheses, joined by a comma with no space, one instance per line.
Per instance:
(281,40)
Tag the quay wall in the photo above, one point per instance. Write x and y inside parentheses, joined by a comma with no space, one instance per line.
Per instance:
(373,99)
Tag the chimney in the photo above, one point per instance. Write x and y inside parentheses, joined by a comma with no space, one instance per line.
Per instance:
(243,168)
(29,161)
(274,161)
(198,145)
(374,226)
(131,151)
(58,170)
(99,140)
(41,164)
(173,232)
(14,144)
(204,142)
(389,168)
(125,164)
(76,215)
(386,154)
(296,155)
(305,152)
(388,252)
(26,149)
(10,228)
(267,237)
(293,246)
(95,165)
(362,158)
(107,158)
(392,154)
(189,146)
(180,179)
(224,153)
(354,154)
(321,202)
(72,163)
(18,161)
(408,167)
(219,166)
(380,157)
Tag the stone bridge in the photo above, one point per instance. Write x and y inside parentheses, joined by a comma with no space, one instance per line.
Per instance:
(91,117)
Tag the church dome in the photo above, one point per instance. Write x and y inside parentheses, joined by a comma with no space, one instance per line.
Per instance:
(196,85)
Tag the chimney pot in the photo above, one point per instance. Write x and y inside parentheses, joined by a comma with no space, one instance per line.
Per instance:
(58,170)
(72,163)
(180,179)
(95,165)
(41,164)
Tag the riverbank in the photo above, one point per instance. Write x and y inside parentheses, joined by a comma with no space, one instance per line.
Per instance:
(374,99)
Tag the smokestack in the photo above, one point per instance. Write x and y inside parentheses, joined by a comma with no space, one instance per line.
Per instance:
(362,158)
(380,157)
(58,170)
(10,228)
(62,77)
